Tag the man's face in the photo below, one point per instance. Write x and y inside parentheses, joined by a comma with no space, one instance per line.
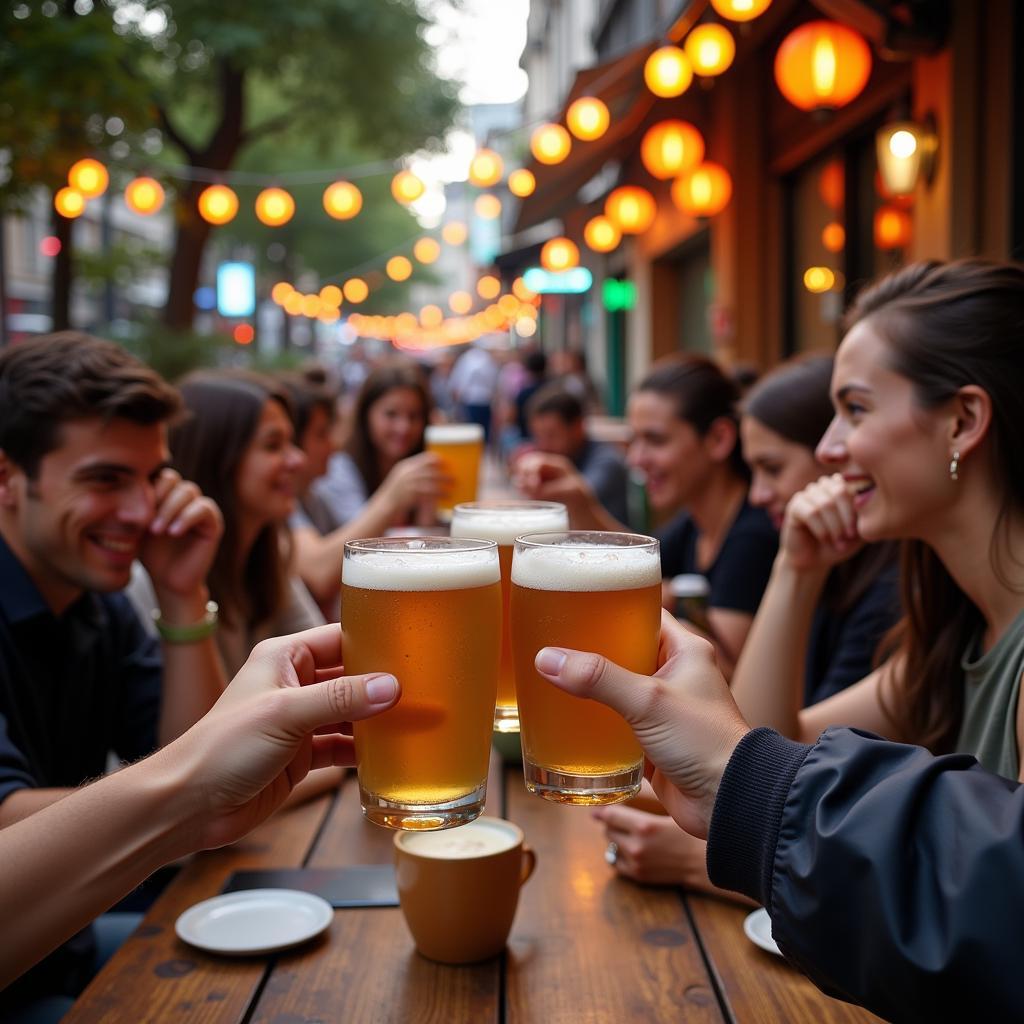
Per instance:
(79,524)
(552,434)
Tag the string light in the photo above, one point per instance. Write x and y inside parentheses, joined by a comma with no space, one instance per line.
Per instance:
(342,200)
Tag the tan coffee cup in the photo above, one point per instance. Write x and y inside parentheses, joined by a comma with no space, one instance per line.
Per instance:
(458,888)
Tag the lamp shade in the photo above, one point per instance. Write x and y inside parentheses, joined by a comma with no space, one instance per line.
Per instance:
(342,200)
(704,191)
(521,183)
(740,10)
(822,65)
(671,148)
(485,169)
(631,209)
(559,254)
(274,207)
(711,49)
(905,152)
(144,196)
(550,144)
(217,204)
(668,72)
(406,187)
(601,234)
(89,177)
(587,118)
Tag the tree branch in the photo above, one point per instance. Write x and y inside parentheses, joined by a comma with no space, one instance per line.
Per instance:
(271,125)
(175,136)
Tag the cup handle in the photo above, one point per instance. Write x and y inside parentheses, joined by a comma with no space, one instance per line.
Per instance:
(529,863)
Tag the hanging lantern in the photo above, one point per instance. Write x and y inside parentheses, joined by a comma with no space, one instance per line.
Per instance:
(668,72)
(89,177)
(454,232)
(144,195)
(587,118)
(342,200)
(426,250)
(460,302)
(487,207)
(355,290)
(671,148)
(218,204)
(740,10)
(398,268)
(832,185)
(488,287)
(601,234)
(631,209)
(330,295)
(892,228)
(406,187)
(550,144)
(711,49)
(822,66)
(833,236)
(69,202)
(485,169)
(705,191)
(521,183)
(559,254)
(274,207)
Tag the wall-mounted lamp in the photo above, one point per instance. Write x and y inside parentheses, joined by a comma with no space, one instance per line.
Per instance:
(906,154)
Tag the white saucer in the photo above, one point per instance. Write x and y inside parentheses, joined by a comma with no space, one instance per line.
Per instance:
(254,921)
(758,928)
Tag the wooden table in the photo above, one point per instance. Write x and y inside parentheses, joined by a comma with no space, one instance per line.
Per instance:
(586,946)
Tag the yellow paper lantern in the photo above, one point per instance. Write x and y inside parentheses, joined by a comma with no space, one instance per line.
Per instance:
(454,232)
(280,292)
(488,287)
(671,148)
(406,187)
(833,237)
(460,302)
(631,208)
(144,196)
(521,183)
(601,234)
(342,200)
(711,49)
(559,254)
(587,118)
(89,177)
(740,10)
(822,65)
(217,204)
(487,207)
(668,72)
(704,191)
(274,207)
(550,144)
(330,295)
(355,289)
(426,250)
(69,202)
(485,169)
(398,268)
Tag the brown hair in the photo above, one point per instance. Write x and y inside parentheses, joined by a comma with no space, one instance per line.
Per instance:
(207,447)
(554,398)
(305,396)
(388,377)
(948,325)
(49,381)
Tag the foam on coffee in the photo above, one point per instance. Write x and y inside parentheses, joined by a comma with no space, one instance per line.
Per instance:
(476,839)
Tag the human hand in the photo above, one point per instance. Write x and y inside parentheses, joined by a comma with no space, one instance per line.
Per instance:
(242,759)
(683,715)
(819,529)
(542,476)
(414,480)
(652,848)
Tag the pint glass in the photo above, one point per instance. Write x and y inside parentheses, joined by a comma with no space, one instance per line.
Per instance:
(502,522)
(460,447)
(427,610)
(596,592)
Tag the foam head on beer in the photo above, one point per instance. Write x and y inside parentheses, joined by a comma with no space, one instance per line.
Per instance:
(453,433)
(502,522)
(571,566)
(422,569)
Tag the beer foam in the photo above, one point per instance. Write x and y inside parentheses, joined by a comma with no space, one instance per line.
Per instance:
(427,569)
(453,433)
(585,568)
(503,524)
(475,839)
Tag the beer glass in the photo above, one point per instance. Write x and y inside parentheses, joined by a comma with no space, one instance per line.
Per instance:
(427,610)
(502,522)
(596,592)
(461,447)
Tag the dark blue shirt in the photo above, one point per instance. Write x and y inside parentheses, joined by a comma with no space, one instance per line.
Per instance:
(604,468)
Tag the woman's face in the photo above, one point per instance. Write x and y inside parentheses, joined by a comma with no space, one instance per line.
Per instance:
(778,467)
(268,475)
(893,454)
(396,422)
(668,450)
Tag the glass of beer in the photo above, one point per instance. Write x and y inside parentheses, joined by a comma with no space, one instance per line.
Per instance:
(427,610)
(461,447)
(597,592)
(502,522)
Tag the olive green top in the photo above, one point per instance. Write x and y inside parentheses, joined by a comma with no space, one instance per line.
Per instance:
(991,688)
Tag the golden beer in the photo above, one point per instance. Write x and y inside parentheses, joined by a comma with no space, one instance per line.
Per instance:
(598,592)
(460,447)
(502,522)
(427,610)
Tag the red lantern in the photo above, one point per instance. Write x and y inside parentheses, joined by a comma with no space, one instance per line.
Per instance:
(671,148)
(822,66)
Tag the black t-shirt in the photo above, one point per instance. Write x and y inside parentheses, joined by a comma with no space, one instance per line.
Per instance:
(739,574)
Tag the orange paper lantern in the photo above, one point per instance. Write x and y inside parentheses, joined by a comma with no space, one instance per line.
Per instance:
(668,72)
(144,196)
(342,200)
(740,10)
(893,228)
(822,65)
(833,237)
(601,234)
(274,207)
(217,204)
(704,191)
(559,254)
(711,49)
(671,148)
(485,169)
(587,118)
(631,208)
(832,185)
(550,144)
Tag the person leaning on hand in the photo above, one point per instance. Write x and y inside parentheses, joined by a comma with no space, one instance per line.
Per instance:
(209,787)
(894,878)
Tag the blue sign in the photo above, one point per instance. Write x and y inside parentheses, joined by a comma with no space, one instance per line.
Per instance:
(236,289)
(564,282)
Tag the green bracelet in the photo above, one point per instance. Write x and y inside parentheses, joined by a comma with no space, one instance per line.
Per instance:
(190,634)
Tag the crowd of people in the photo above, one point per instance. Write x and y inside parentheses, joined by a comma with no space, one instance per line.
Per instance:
(835,725)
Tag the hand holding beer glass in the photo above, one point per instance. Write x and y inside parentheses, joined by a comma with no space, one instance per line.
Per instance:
(597,592)
(427,610)
(460,447)
(502,522)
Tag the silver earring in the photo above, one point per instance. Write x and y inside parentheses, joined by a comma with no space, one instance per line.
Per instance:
(954,466)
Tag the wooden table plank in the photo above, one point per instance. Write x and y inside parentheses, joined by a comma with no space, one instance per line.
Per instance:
(615,952)
(760,986)
(156,977)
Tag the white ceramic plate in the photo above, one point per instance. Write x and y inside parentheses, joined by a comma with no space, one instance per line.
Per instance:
(758,928)
(254,921)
